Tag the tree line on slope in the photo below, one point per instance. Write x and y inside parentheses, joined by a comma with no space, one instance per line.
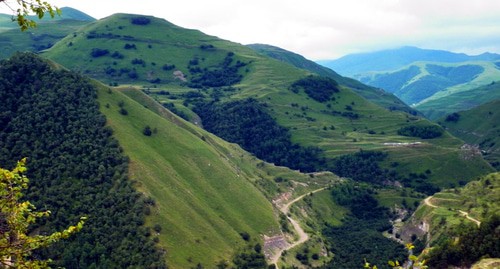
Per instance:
(360,236)
(75,166)
(247,123)
(467,244)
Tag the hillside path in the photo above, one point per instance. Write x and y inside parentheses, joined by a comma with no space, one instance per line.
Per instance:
(303,236)
(466,215)
(428,202)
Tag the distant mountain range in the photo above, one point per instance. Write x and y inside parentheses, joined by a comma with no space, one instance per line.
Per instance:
(424,78)
(353,65)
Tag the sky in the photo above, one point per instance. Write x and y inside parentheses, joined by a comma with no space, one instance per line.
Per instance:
(326,29)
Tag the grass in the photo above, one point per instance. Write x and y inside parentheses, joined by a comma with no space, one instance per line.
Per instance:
(460,101)
(207,191)
(44,36)
(203,201)
(479,198)
(311,123)
(479,126)
(436,93)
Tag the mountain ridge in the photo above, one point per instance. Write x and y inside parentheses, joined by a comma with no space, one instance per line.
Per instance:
(375,95)
(119,50)
(393,59)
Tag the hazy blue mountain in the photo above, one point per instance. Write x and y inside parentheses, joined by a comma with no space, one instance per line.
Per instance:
(75,14)
(424,78)
(393,59)
(48,31)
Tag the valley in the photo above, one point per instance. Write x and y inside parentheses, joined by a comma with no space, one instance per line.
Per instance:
(190,151)
(436,83)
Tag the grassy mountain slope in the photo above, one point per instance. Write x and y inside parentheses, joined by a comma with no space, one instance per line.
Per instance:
(459,101)
(394,59)
(423,78)
(424,81)
(460,224)
(479,126)
(45,35)
(479,198)
(207,191)
(130,51)
(374,95)
(204,198)
(76,168)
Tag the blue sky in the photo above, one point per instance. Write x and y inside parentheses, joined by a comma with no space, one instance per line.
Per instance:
(326,29)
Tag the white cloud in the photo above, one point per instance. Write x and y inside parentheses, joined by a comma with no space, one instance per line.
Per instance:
(320,29)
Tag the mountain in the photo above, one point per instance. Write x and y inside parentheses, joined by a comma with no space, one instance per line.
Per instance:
(461,100)
(460,225)
(69,13)
(76,168)
(48,32)
(202,200)
(422,82)
(188,71)
(191,197)
(478,127)
(425,79)
(393,59)
(374,95)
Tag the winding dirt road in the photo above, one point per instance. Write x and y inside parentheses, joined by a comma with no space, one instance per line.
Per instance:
(428,202)
(303,236)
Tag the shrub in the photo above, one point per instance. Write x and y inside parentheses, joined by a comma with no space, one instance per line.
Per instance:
(168,67)
(96,52)
(133,74)
(147,131)
(454,117)
(117,55)
(129,46)
(138,61)
(140,21)
(424,132)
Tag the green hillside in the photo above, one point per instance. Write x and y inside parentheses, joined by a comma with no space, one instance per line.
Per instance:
(182,69)
(45,35)
(207,191)
(478,127)
(204,197)
(76,168)
(459,223)
(459,101)
(374,95)
(423,81)
(204,200)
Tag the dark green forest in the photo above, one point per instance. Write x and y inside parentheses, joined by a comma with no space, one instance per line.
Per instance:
(467,244)
(363,166)
(76,168)
(424,132)
(247,123)
(318,88)
(360,236)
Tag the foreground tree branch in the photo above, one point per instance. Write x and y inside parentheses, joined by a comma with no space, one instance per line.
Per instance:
(21,9)
(16,244)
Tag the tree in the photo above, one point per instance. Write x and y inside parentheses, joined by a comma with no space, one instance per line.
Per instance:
(16,215)
(25,7)
(147,131)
